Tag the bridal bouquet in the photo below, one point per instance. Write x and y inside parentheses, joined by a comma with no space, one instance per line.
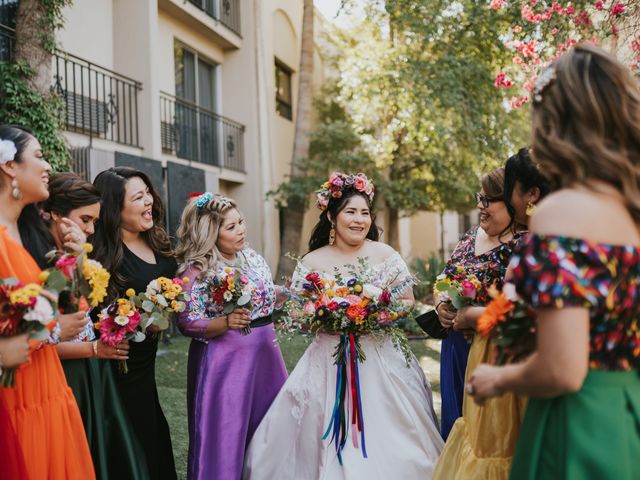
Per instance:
(457,286)
(118,322)
(349,305)
(231,290)
(160,302)
(511,324)
(24,310)
(84,279)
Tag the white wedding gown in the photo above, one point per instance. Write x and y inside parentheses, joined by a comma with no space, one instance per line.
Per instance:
(401,434)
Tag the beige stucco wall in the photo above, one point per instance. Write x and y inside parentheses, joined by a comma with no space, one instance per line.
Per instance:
(88,31)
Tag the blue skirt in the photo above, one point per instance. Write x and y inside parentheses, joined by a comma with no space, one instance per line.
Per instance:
(453,364)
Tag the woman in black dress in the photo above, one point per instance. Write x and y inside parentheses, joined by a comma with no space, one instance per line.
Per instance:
(130,241)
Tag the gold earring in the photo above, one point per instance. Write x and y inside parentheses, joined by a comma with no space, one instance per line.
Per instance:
(332,236)
(15,189)
(531,208)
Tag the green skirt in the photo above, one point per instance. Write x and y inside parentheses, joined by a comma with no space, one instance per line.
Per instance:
(592,434)
(105,420)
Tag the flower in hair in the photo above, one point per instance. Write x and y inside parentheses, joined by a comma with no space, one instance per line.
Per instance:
(7,151)
(339,182)
(542,82)
(203,199)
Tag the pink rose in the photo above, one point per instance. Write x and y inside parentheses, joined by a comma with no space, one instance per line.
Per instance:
(468,289)
(359,184)
(309,308)
(353,299)
(67,265)
(244,279)
(322,200)
(384,317)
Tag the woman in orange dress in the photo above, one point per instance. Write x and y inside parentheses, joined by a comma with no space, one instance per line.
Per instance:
(41,407)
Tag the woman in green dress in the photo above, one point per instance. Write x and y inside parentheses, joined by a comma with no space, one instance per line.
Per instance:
(580,270)
(63,222)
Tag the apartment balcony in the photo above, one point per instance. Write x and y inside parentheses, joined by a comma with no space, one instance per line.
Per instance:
(98,102)
(191,132)
(219,20)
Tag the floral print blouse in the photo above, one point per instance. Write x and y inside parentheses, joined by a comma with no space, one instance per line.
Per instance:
(556,272)
(489,267)
(201,307)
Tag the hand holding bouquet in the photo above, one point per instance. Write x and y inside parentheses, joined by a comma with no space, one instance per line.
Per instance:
(457,286)
(231,290)
(120,322)
(24,310)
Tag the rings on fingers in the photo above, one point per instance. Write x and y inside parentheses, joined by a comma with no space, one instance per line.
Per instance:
(470,389)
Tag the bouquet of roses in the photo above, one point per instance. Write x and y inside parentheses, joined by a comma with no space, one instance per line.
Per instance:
(350,306)
(84,280)
(457,286)
(118,322)
(162,300)
(24,310)
(511,323)
(231,290)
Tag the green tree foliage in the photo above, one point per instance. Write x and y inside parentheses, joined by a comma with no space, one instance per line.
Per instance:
(44,114)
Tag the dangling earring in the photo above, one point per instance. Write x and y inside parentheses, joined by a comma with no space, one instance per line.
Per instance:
(332,235)
(15,189)
(531,208)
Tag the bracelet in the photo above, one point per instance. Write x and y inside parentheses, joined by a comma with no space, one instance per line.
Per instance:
(226,321)
(94,346)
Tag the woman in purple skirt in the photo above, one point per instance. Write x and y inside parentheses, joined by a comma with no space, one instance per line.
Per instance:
(233,376)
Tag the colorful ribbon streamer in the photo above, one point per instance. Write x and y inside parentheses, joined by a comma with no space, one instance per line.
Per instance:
(347,398)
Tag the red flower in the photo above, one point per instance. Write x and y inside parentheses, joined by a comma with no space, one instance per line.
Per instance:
(67,264)
(617,10)
(333,306)
(599,5)
(385,298)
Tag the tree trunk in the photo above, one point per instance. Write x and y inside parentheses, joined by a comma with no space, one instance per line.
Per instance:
(29,47)
(392,228)
(293,215)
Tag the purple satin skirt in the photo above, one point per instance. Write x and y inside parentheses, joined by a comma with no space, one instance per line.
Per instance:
(232,381)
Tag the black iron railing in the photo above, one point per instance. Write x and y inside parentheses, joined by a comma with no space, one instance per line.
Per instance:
(195,133)
(225,11)
(98,102)
(7,40)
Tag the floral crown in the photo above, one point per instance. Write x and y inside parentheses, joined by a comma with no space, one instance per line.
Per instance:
(7,151)
(339,182)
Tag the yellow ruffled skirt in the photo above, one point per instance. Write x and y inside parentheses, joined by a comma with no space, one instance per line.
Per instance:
(482,441)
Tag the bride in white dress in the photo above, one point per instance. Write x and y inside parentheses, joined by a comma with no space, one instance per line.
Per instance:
(401,434)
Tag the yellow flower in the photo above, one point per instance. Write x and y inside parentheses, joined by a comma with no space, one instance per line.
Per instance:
(25,294)
(130,292)
(98,279)
(185,280)
(393,316)
(357,288)
(44,275)
(330,293)
(227,270)
(87,247)
(164,283)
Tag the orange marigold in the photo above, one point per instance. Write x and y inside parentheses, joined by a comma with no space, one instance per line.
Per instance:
(496,311)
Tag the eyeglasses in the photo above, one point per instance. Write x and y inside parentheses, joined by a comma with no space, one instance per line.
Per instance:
(485,200)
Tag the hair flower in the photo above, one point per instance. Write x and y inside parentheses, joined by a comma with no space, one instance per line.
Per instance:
(203,199)
(338,183)
(542,82)
(7,151)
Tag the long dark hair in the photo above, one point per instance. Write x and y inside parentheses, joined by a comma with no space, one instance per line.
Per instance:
(520,168)
(320,235)
(67,191)
(108,248)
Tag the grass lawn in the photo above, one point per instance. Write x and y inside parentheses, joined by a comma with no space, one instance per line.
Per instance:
(171,375)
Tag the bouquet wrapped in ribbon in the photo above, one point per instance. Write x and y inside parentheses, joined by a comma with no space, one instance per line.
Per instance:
(511,324)
(24,310)
(457,286)
(118,322)
(349,306)
(82,282)
(162,300)
(231,290)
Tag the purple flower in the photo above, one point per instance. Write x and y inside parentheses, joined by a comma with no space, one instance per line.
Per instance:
(345,304)
(351,282)
(308,286)
(322,312)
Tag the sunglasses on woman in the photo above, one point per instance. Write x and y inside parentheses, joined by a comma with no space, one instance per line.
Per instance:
(485,200)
